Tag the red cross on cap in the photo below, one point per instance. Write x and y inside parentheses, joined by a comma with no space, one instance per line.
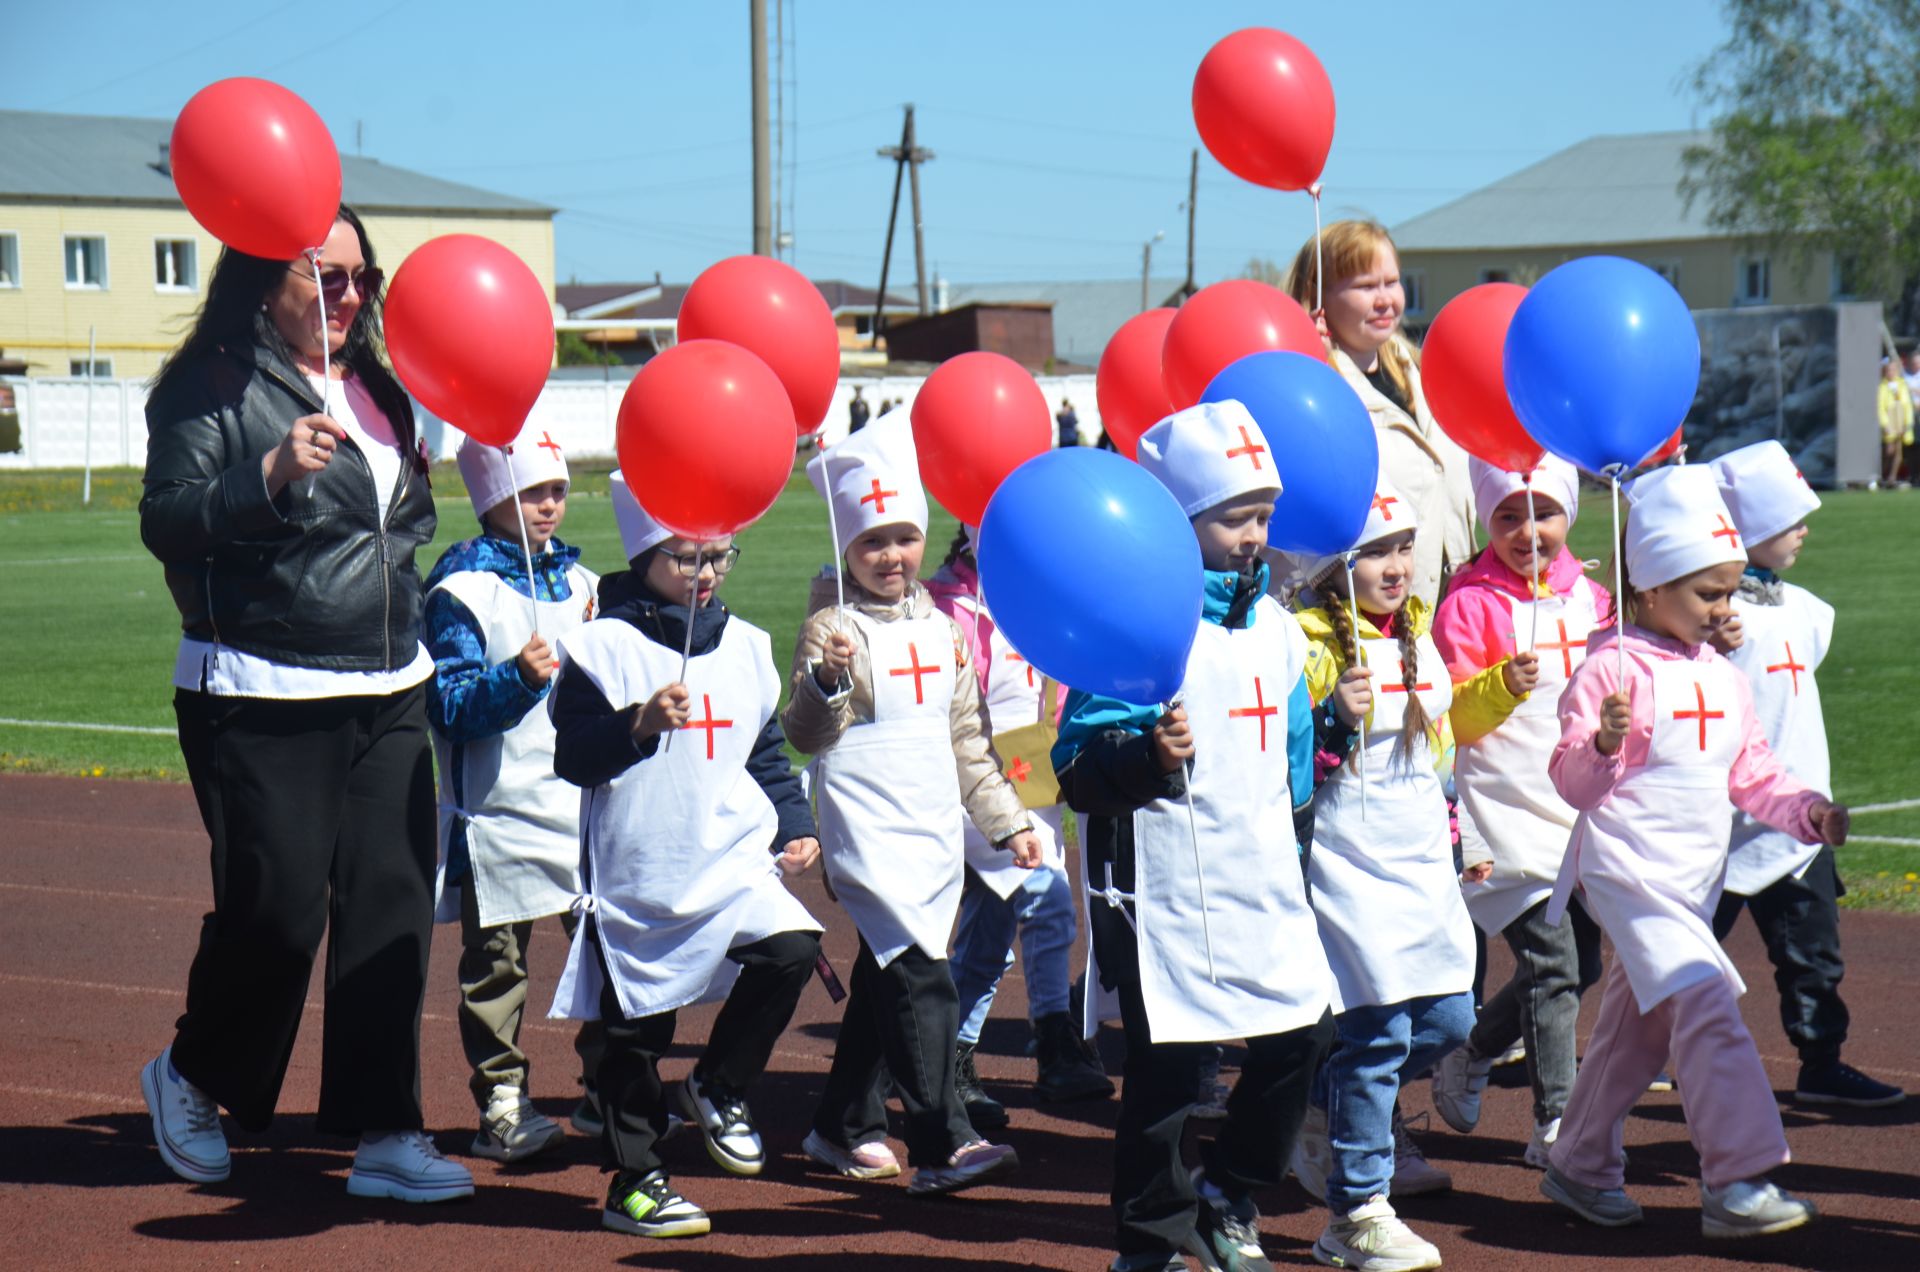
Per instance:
(1726,530)
(1248,447)
(547,443)
(878,497)
(1380,503)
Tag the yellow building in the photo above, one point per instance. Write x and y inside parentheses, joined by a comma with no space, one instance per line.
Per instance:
(1617,195)
(94,238)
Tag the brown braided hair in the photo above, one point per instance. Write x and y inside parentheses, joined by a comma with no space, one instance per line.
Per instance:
(1416,722)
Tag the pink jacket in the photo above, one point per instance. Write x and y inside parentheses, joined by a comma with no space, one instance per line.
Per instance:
(948,584)
(1759,783)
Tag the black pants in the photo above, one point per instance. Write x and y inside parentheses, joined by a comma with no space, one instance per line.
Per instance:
(321,815)
(633,1101)
(1153,1198)
(902,1020)
(1799,919)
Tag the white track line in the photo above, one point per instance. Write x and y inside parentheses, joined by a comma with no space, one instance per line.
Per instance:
(90,728)
(80,560)
(1896,806)
(97,894)
(81,1097)
(1883,839)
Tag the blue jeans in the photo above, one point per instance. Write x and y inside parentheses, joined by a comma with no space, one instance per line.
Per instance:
(1042,909)
(1361,1080)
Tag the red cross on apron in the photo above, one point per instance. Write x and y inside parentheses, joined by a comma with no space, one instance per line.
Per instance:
(1259,711)
(1791,667)
(1563,645)
(1248,447)
(915,670)
(709,724)
(1019,770)
(1700,713)
(878,498)
(1017,658)
(1400,684)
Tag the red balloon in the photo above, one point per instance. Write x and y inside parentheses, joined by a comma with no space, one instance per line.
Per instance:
(1264,107)
(1131,387)
(769,308)
(1668,449)
(706,438)
(1462,371)
(470,330)
(257,168)
(1221,324)
(978,417)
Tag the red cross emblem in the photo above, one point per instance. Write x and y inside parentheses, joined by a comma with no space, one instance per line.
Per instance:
(1700,713)
(878,498)
(1019,770)
(915,670)
(1400,685)
(1726,531)
(1791,667)
(1248,447)
(1259,711)
(1017,658)
(547,443)
(709,724)
(1564,645)
(1380,503)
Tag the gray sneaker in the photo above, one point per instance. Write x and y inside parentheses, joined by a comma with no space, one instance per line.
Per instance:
(1608,1207)
(1751,1208)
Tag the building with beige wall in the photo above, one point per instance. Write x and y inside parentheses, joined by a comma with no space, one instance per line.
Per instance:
(1617,195)
(94,237)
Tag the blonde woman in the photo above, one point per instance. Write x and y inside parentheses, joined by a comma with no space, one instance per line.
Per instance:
(1359,308)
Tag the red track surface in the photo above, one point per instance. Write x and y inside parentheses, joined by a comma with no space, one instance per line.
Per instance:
(101,889)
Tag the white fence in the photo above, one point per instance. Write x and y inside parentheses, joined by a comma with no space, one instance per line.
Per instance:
(578,414)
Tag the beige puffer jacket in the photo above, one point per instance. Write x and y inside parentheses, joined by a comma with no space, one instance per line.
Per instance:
(814,720)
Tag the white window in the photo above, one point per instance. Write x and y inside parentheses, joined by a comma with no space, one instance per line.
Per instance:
(9,260)
(86,260)
(176,265)
(102,367)
(1669,270)
(1414,283)
(1752,280)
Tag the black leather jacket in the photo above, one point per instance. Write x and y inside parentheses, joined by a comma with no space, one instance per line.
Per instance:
(316,581)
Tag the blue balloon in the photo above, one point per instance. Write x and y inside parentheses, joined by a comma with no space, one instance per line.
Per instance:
(1093,573)
(1324,448)
(1602,361)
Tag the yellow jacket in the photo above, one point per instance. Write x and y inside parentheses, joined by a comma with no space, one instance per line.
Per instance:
(1326,660)
(1896,411)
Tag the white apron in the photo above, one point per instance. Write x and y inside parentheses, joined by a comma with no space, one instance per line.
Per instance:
(889,794)
(1784,644)
(522,821)
(1269,974)
(678,851)
(1649,861)
(1012,700)
(1502,778)
(1384,886)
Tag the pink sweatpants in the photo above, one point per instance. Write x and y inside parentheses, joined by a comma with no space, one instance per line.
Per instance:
(1724,1090)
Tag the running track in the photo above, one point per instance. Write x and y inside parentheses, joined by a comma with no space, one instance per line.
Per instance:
(101,888)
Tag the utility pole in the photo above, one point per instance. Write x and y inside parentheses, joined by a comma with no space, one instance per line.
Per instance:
(1146,268)
(762,178)
(907,158)
(1193,198)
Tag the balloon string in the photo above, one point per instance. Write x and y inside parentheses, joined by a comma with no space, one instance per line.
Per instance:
(1360,754)
(833,528)
(693,608)
(1319,267)
(1533,638)
(1619,582)
(326,357)
(1200,876)
(520,512)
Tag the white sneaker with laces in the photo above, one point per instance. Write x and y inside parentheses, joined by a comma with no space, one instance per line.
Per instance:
(1751,1208)
(406,1166)
(1413,1174)
(1542,1143)
(1459,1080)
(1371,1238)
(1313,1155)
(727,1126)
(186,1123)
(512,1129)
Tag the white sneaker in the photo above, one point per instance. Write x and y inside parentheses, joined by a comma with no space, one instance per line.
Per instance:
(1371,1238)
(1512,1055)
(1413,1174)
(1542,1143)
(1313,1154)
(1458,1082)
(872,1160)
(726,1124)
(512,1130)
(1751,1208)
(186,1124)
(405,1165)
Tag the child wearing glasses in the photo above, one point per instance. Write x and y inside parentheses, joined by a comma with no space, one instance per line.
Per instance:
(691,816)
(509,829)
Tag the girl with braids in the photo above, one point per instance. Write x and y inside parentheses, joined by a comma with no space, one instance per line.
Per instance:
(1382,879)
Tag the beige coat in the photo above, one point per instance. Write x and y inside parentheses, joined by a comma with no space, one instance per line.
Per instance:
(814,720)
(1429,470)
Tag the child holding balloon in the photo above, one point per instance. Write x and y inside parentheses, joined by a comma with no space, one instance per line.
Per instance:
(1383,880)
(691,814)
(1198,910)
(1513,628)
(885,698)
(1658,744)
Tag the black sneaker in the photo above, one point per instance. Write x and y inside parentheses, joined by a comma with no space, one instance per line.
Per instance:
(647,1206)
(983,1111)
(1068,1069)
(1226,1235)
(1837,1083)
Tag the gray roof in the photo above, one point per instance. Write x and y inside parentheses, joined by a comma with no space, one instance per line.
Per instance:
(100,157)
(1613,189)
(1085,314)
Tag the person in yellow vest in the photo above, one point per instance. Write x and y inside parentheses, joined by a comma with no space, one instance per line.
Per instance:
(1896,421)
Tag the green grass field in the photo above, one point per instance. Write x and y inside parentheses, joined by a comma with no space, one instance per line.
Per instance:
(90,633)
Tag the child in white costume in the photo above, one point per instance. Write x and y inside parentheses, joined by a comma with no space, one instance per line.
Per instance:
(509,829)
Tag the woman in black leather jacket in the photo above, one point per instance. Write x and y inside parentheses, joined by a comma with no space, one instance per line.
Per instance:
(287,508)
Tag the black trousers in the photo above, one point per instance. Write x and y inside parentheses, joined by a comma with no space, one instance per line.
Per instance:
(321,815)
(633,1100)
(901,1021)
(1799,919)
(1154,1204)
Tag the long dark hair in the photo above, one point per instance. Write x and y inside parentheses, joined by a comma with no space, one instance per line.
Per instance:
(233,317)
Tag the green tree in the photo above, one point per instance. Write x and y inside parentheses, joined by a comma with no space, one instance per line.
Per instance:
(571,349)
(1816,143)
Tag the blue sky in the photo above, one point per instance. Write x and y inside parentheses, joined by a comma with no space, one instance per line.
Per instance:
(1061,130)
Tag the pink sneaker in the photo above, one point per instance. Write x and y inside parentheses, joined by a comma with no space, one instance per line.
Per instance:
(970,1164)
(869,1161)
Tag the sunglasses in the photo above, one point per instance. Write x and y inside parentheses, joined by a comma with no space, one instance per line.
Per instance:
(335,280)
